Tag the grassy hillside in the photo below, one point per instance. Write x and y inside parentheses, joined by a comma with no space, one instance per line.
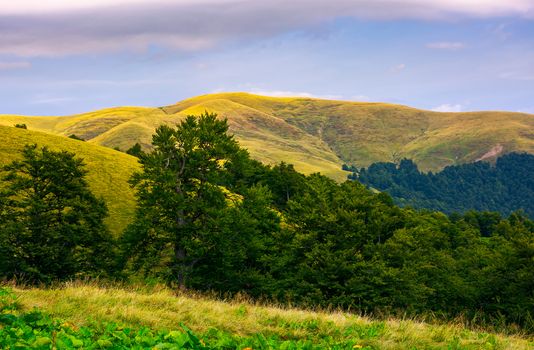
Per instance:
(161,309)
(108,170)
(363,133)
(314,134)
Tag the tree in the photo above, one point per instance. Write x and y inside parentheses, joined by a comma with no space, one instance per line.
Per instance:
(504,187)
(135,150)
(75,137)
(285,183)
(334,230)
(51,225)
(181,197)
(241,239)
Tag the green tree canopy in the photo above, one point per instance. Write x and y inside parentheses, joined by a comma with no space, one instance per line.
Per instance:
(51,225)
(504,187)
(185,208)
(135,150)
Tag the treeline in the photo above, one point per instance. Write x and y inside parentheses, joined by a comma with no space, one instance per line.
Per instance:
(505,187)
(211,218)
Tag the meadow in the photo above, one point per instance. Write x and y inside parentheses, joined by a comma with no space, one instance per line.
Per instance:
(86,315)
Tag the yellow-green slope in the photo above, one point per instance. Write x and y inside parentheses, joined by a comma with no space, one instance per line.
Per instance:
(314,134)
(108,170)
(363,133)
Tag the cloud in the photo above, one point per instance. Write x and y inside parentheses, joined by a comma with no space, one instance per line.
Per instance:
(368,8)
(448,108)
(281,93)
(363,98)
(14,65)
(517,76)
(66,27)
(501,31)
(111,83)
(446,45)
(39,6)
(398,68)
(51,100)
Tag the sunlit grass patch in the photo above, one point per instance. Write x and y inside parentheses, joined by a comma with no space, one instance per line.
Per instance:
(162,309)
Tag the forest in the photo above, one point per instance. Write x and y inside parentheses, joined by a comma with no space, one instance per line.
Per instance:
(504,187)
(210,218)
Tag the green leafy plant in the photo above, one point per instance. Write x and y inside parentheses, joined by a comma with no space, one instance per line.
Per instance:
(37,330)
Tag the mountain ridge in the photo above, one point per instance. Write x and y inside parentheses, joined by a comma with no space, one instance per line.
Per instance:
(314,134)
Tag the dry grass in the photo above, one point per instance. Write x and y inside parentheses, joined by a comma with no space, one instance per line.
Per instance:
(161,308)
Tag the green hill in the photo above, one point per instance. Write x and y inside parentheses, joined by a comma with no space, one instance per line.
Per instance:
(108,170)
(314,134)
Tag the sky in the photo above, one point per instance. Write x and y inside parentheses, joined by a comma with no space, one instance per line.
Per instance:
(60,57)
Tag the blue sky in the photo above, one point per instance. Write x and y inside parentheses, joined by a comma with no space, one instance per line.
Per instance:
(63,57)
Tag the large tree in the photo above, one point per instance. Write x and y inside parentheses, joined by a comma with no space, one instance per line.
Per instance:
(183,197)
(51,225)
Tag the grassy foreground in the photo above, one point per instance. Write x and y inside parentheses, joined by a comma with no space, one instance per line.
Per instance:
(161,310)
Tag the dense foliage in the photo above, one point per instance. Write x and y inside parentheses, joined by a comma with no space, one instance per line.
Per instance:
(506,187)
(210,218)
(51,225)
(187,219)
(135,150)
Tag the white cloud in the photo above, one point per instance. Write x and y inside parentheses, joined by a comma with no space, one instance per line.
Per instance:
(446,45)
(39,6)
(501,32)
(448,108)
(67,27)
(15,65)
(51,100)
(363,8)
(282,93)
(363,98)
(398,68)
(517,76)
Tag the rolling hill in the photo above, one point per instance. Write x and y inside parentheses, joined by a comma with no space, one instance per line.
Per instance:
(314,134)
(108,170)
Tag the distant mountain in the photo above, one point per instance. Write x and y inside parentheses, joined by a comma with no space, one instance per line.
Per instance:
(314,134)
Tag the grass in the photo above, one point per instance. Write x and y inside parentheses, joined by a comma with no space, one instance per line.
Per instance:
(315,135)
(108,170)
(162,309)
